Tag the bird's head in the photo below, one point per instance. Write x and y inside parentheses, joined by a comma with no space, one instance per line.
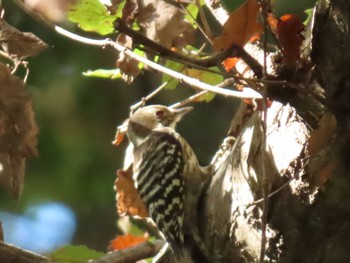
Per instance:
(146,119)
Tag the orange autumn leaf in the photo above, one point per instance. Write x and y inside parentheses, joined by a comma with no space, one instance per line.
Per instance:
(127,241)
(128,199)
(240,27)
(230,63)
(288,31)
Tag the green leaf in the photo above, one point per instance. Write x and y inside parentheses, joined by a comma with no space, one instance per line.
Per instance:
(75,254)
(209,96)
(104,73)
(172,83)
(204,76)
(308,13)
(193,12)
(92,15)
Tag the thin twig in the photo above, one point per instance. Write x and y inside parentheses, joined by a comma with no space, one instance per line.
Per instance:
(264,146)
(271,194)
(133,254)
(204,20)
(196,96)
(148,97)
(189,99)
(203,31)
(248,94)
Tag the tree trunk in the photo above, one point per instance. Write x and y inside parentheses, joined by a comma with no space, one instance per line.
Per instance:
(305,161)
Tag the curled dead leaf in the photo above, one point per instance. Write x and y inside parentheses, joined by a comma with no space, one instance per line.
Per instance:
(128,199)
(19,44)
(121,132)
(18,131)
(288,31)
(128,66)
(164,23)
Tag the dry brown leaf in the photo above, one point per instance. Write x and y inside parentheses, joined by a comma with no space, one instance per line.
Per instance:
(128,66)
(18,131)
(128,199)
(130,10)
(288,31)
(164,23)
(112,5)
(18,44)
(240,27)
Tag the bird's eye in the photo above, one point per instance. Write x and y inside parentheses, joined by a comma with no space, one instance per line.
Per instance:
(159,113)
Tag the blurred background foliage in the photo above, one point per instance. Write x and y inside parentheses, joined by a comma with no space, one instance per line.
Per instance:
(77,117)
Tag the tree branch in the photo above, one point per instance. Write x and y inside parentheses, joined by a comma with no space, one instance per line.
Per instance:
(154,47)
(133,254)
(245,94)
(13,254)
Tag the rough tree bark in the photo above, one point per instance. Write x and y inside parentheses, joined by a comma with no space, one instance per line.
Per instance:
(308,217)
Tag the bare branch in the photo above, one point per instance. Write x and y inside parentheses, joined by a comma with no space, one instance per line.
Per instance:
(133,254)
(148,97)
(13,254)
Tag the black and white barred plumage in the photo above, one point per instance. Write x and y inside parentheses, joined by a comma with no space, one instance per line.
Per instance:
(160,183)
(166,173)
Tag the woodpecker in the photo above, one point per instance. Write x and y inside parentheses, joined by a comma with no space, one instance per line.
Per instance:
(167,174)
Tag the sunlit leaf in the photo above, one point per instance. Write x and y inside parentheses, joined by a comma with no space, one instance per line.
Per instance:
(103,73)
(172,83)
(308,13)
(240,27)
(207,97)
(204,76)
(193,12)
(92,16)
(75,254)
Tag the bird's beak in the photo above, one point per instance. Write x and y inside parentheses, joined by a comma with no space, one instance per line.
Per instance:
(180,112)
